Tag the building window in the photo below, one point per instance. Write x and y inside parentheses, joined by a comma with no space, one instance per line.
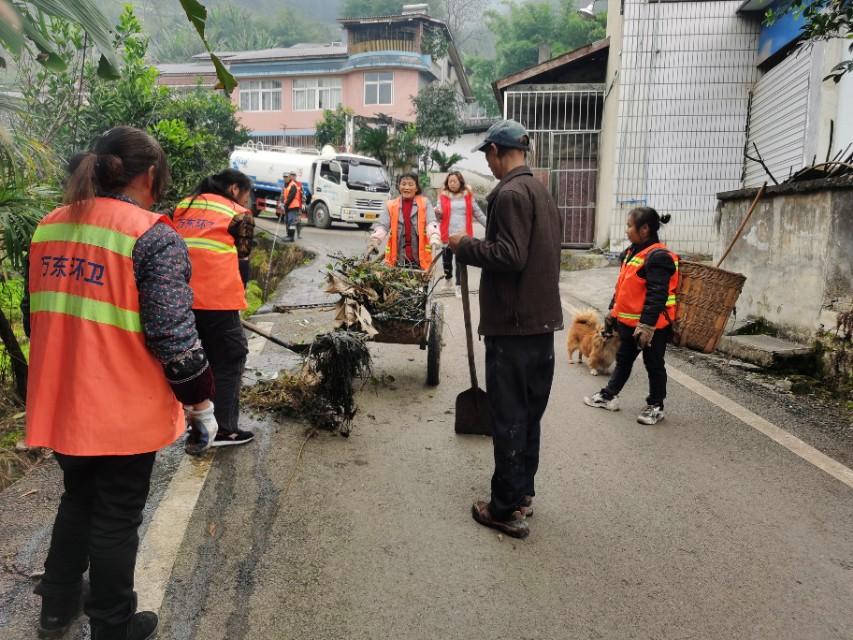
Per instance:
(379,88)
(315,94)
(260,95)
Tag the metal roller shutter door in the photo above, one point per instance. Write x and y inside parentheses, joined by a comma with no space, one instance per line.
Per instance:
(778,119)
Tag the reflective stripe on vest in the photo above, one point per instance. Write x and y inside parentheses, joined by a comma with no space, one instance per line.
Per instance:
(86,309)
(203,224)
(446,207)
(631,289)
(393,246)
(94,388)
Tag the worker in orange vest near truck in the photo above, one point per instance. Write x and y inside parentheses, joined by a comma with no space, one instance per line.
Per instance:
(291,204)
(642,312)
(408,224)
(114,355)
(217,228)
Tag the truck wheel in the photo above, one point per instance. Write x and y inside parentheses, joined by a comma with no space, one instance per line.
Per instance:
(364,226)
(322,219)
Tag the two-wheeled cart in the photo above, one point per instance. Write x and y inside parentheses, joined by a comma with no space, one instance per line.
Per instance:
(425,333)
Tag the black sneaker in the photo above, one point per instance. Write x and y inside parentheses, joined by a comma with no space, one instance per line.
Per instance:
(142,626)
(59,613)
(229,438)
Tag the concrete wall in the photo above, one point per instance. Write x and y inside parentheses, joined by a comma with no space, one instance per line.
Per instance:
(605,202)
(471,160)
(795,253)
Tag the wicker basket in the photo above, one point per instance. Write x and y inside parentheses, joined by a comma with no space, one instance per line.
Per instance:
(706,298)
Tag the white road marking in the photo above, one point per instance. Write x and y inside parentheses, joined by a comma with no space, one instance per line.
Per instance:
(777,434)
(165,533)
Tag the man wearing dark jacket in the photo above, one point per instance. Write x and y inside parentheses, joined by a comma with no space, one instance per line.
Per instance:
(519,312)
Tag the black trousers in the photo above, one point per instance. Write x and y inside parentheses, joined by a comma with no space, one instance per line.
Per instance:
(226,347)
(447,263)
(653,358)
(96,527)
(519,372)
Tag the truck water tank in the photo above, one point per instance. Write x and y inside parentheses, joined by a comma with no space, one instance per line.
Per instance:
(267,167)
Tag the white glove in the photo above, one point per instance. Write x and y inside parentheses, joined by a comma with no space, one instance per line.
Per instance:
(203,429)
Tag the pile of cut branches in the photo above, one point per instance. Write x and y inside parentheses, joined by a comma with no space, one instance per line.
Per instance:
(322,391)
(372,292)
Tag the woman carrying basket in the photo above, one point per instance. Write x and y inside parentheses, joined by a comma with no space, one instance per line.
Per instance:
(641,312)
(408,223)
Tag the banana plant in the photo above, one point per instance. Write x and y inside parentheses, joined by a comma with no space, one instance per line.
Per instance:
(23,28)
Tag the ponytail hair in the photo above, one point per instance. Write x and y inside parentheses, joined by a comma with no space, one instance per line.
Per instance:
(116,158)
(647,216)
(219,183)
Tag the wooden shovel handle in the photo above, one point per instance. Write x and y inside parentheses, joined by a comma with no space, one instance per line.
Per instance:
(296,348)
(742,224)
(466,309)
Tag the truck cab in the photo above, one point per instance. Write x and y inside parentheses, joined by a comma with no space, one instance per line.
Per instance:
(348,188)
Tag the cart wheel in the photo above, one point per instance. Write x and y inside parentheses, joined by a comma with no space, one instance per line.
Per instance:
(434,343)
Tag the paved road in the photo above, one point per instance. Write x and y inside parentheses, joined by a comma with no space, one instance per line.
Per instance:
(700,527)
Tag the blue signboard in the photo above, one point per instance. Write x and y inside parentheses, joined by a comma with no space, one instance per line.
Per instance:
(775,37)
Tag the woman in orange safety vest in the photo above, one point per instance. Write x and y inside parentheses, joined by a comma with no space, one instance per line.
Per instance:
(408,224)
(218,228)
(114,355)
(642,312)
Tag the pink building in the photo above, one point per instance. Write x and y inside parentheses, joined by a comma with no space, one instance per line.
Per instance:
(283,92)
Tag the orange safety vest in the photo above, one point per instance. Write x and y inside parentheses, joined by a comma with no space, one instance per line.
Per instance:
(203,223)
(296,203)
(392,248)
(445,215)
(631,290)
(94,388)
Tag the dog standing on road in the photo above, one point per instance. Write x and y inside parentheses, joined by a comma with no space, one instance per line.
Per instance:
(587,338)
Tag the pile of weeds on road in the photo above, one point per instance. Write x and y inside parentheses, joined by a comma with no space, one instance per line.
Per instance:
(374,292)
(322,391)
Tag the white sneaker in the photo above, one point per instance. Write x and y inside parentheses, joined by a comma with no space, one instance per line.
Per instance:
(457,291)
(652,414)
(600,402)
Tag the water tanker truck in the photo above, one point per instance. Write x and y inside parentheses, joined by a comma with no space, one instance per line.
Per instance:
(337,186)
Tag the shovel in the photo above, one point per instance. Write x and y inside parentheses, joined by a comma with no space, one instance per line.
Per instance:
(473,414)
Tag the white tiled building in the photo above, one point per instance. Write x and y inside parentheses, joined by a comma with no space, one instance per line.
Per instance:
(690,89)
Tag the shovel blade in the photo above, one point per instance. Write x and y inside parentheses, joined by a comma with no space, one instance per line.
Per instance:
(473,414)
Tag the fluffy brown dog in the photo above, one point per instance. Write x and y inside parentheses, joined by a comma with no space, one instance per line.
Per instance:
(586,337)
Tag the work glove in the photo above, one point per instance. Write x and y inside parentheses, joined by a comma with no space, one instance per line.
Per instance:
(609,325)
(203,429)
(643,335)
(372,249)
